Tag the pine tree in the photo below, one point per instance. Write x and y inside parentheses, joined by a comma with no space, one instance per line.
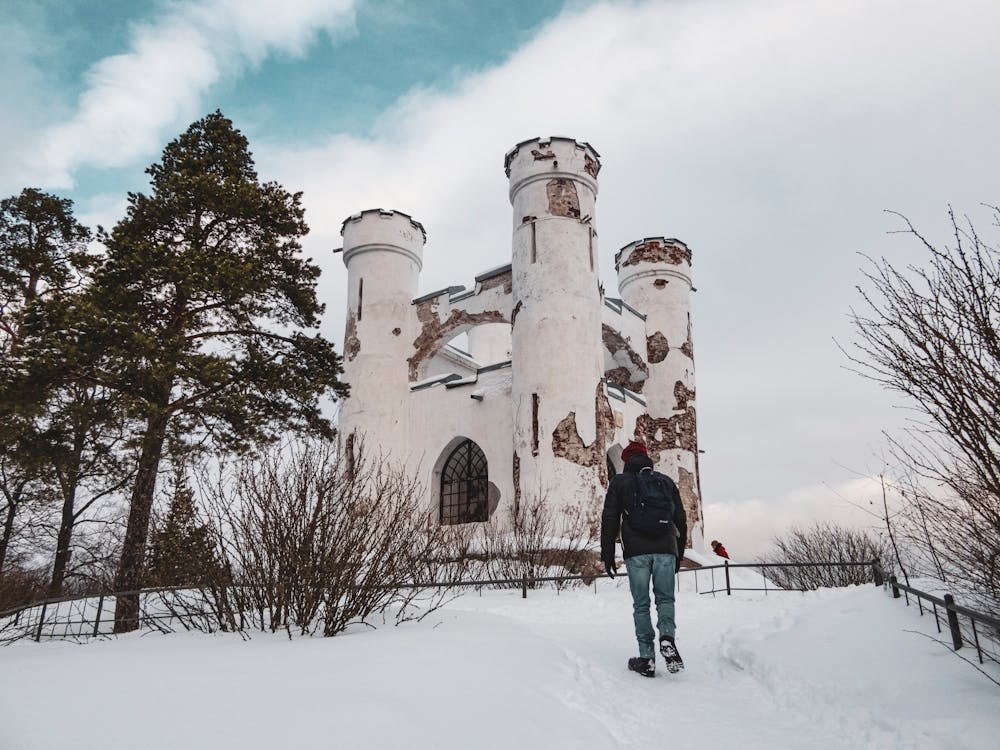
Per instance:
(43,265)
(199,311)
(181,550)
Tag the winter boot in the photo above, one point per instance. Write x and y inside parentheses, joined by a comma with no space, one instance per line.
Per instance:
(645,667)
(670,655)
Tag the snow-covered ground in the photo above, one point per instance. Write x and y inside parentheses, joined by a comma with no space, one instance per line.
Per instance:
(830,669)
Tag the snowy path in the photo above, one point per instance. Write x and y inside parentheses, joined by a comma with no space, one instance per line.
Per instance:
(832,669)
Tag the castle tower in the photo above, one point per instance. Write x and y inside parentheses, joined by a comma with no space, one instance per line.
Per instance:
(562,420)
(383,252)
(654,277)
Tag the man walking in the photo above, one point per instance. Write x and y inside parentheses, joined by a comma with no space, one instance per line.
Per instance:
(645,506)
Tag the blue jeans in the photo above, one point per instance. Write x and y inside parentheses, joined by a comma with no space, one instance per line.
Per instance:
(641,569)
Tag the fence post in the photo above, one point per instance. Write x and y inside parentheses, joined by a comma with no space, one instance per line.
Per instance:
(877,573)
(956,634)
(729,591)
(524,586)
(41,621)
(895,589)
(97,620)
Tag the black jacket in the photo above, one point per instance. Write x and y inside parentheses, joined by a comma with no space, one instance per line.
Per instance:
(622,487)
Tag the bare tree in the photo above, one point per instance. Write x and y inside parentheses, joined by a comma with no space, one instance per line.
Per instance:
(930,332)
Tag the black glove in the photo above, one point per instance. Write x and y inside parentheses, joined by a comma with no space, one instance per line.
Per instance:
(610,568)
(677,567)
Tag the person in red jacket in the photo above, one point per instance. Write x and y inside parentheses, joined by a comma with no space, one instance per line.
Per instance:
(718,549)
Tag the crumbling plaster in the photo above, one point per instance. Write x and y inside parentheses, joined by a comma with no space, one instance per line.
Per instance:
(585,373)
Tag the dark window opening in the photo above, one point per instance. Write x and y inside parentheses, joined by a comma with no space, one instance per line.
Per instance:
(361,289)
(465,485)
(534,424)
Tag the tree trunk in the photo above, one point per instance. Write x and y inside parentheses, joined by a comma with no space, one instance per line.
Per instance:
(8,532)
(63,544)
(69,481)
(129,576)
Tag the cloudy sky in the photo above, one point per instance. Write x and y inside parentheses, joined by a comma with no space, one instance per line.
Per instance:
(769,135)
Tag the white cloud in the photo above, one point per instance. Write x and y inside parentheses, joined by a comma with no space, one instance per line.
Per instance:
(132,99)
(770,135)
(747,527)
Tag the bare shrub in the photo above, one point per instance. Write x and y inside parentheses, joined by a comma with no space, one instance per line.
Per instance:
(314,547)
(530,540)
(824,542)
(20,585)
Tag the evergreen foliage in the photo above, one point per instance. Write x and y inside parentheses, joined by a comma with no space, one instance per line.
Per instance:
(199,311)
(181,549)
(43,265)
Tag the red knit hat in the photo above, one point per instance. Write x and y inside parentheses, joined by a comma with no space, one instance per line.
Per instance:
(632,449)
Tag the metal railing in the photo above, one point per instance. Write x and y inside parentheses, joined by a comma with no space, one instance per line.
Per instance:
(729,587)
(964,623)
(172,608)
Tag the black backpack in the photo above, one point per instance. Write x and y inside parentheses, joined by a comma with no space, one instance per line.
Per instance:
(650,509)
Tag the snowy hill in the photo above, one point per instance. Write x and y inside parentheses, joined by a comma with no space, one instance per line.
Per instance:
(830,669)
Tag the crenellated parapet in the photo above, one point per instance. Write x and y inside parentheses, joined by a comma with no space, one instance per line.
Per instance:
(525,386)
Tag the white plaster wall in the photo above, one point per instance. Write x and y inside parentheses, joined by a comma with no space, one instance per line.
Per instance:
(626,412)
(447,361)
(490,343)
(441,414)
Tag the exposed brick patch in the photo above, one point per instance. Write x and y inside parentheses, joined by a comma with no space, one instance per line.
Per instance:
(567,443)
(657,348)
(396,331)
(634,379)
(683,394)
(542,155)
(657,251)
(688,346)
(563,198)
(352,344)
(434,332)
(349,457)
(506,280)
(664,433)
(689,499)
(619,376)
(515,311)
(590,165)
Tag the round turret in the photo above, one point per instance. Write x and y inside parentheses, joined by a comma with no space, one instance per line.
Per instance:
(561,418)
(654,277)
(383,252)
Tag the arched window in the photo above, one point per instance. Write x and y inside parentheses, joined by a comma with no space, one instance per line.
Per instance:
(465,485)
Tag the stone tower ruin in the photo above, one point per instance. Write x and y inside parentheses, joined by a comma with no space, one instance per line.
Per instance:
(556,377)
